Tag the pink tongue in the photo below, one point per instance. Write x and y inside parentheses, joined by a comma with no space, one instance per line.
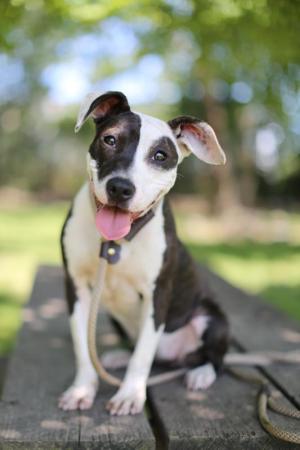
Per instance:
(113,223)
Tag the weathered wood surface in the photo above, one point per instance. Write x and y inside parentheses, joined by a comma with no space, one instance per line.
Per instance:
(41,367)
(224,417)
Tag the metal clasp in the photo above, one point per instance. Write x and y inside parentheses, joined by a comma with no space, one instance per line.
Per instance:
(111,251)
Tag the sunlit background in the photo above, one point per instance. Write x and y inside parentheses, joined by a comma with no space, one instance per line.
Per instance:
(233,63)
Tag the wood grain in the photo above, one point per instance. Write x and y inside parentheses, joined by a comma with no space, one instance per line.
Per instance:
(224,416)
(41,367)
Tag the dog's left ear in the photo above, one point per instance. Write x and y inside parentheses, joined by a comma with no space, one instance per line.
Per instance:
(99,106)
(199,138)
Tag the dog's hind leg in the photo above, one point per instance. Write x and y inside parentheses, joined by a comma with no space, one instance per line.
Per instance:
(208,359)
(201,378)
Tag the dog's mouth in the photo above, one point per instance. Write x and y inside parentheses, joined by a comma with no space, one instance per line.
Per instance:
(113,222)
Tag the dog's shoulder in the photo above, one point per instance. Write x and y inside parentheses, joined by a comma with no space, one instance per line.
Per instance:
(179,289)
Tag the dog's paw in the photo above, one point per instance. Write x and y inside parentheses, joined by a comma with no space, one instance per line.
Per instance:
(115,359)
(78,397)
(201,378)
(127,401)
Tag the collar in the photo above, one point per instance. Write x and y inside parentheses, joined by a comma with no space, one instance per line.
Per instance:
(138,224)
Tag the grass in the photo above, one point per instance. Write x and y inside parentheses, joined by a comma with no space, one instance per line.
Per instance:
(269,270)
(29,236)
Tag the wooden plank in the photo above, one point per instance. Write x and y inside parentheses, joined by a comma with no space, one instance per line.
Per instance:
(257,326)
(37,372)
(41,367)
(224,417)
(100,430)
(129,432)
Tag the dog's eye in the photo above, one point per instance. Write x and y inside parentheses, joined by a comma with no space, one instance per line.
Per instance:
(110,140)
(160,156)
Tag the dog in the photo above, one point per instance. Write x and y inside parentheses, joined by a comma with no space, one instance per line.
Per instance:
(154,291)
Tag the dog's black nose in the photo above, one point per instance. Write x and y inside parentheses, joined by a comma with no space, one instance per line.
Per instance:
(119,189)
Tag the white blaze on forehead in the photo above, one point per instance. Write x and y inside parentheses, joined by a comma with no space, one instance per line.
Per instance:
(150,182)
(162,127)
(153,129)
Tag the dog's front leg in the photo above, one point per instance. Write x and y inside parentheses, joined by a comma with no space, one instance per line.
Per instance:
(81,394)
(131,396)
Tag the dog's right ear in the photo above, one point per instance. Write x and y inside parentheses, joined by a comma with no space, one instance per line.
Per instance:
(99,106)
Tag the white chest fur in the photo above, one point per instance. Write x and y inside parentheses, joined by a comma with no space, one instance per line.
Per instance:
(129,283)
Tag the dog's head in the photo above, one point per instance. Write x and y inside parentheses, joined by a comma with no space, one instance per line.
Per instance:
(133,159)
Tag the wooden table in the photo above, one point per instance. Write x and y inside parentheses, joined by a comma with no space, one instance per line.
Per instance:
(223,417)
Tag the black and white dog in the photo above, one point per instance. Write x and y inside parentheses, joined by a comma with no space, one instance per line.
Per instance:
(154,291)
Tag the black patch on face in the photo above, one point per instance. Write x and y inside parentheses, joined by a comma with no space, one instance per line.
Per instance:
(163,146)
(125,128)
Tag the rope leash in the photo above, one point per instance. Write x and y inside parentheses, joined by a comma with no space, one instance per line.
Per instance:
(265,398)
(92,330)
(92,326)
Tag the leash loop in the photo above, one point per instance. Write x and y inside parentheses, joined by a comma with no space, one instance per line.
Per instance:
(92,325)
(266,399)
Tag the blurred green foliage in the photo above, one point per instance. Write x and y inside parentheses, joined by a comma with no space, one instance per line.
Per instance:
(234,63)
